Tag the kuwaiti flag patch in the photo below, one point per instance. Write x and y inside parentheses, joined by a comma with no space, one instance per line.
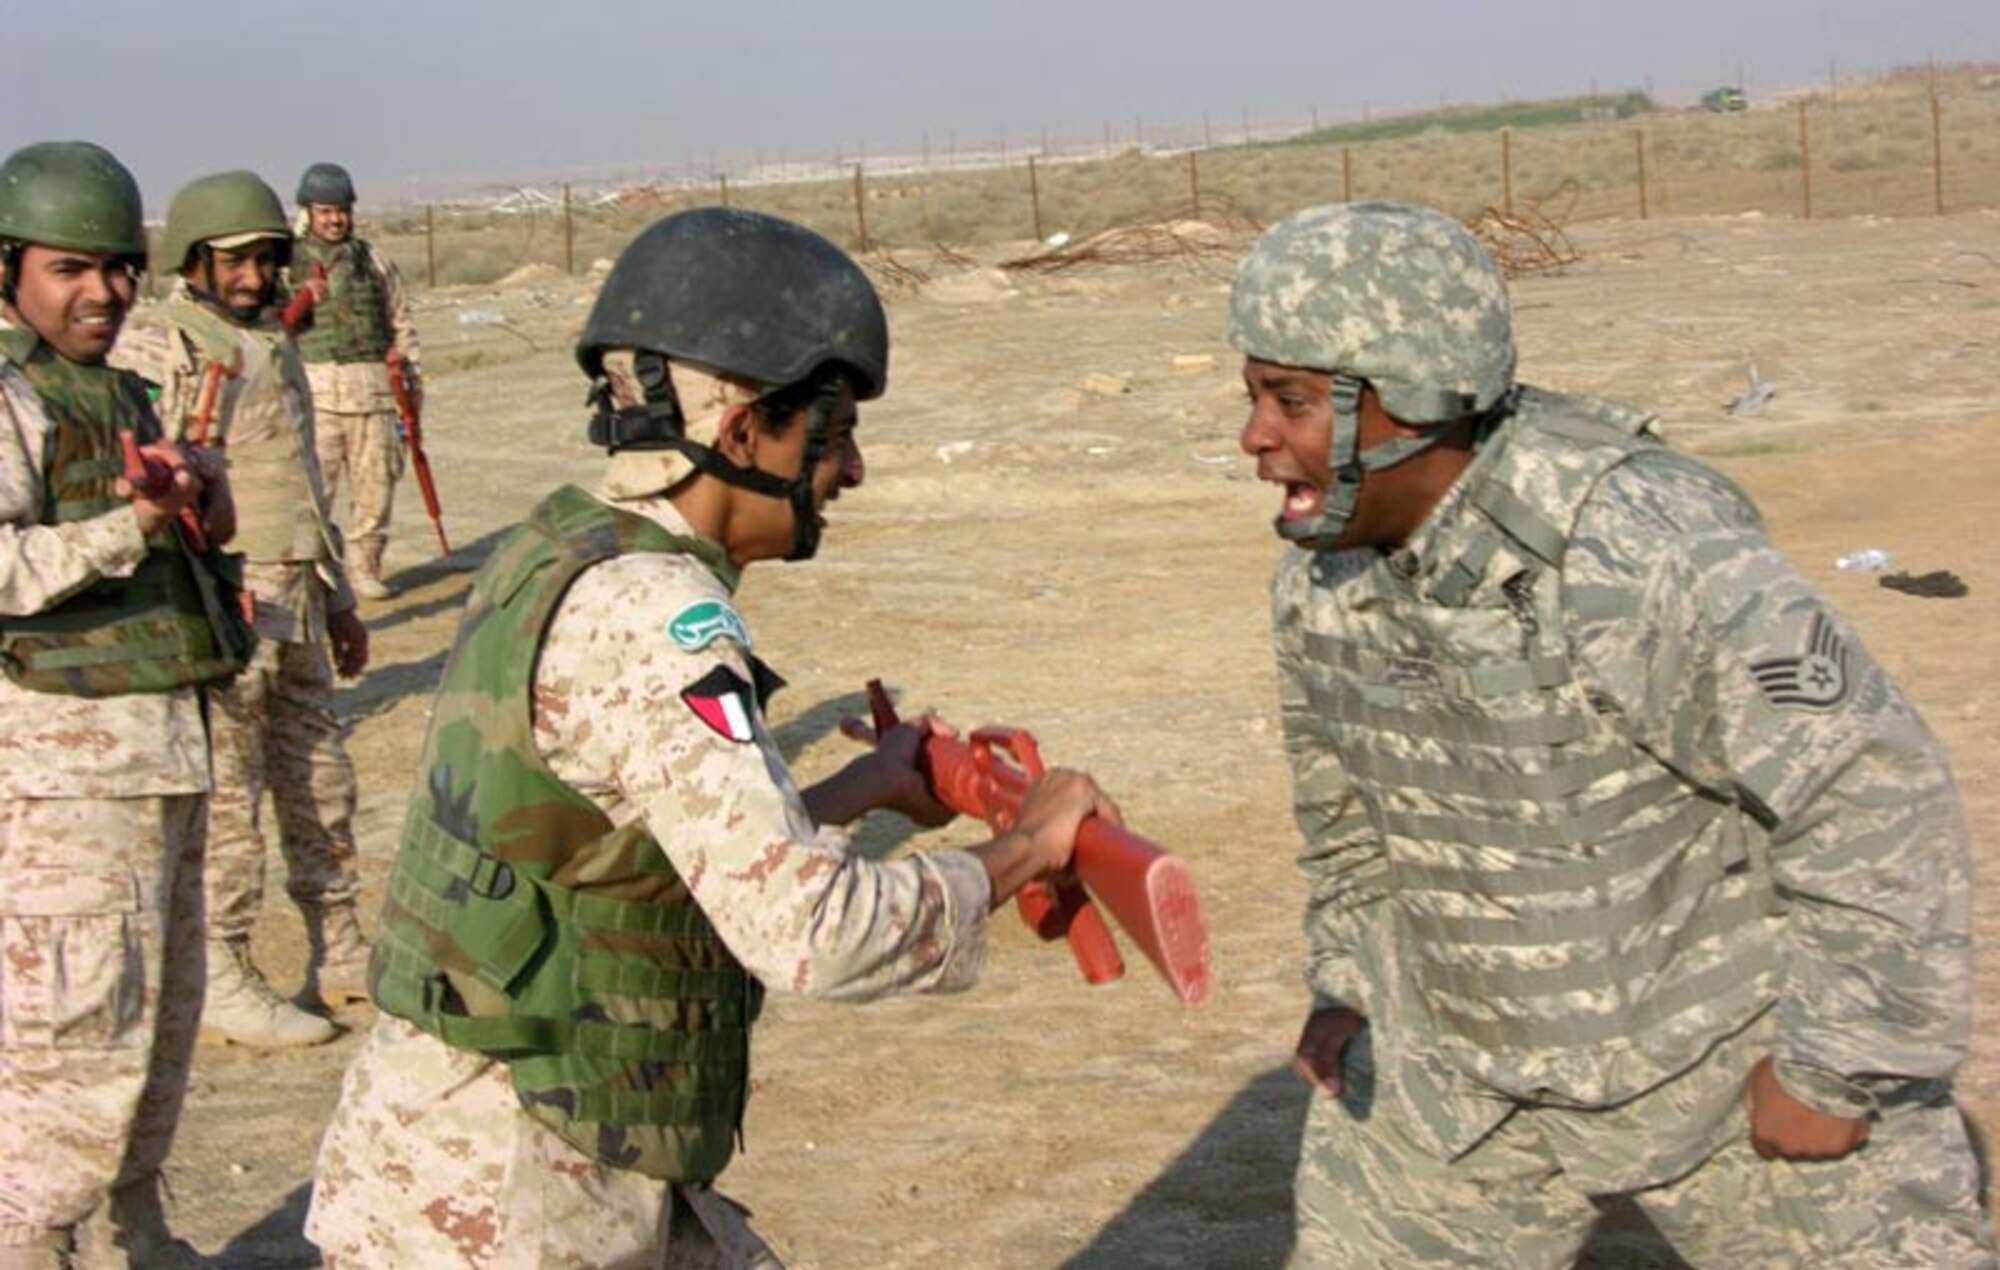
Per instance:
(723,700)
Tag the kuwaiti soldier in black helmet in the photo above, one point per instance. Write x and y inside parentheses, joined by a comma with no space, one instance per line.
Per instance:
(598,754)
(360,328)
(226,365)
(110,623)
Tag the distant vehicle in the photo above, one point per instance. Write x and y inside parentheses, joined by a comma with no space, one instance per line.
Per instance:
(1724,100)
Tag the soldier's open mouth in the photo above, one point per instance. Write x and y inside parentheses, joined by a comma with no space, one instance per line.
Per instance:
(1301,500)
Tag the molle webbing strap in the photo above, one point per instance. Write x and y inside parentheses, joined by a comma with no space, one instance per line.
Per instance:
(1608,859)
(1482,679)
(1723,990)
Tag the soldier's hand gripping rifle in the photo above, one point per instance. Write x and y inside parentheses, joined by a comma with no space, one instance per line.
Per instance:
(1151,894)
(413,438)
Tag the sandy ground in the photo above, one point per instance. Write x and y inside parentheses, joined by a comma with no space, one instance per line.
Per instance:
(1087,556)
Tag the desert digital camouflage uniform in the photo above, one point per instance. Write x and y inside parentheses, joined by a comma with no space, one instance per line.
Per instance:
(274,727)
(430,1159)
(103,800)
(364,320)
(1602,804)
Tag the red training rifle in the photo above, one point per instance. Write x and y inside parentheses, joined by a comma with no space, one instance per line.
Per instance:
(413,438)
(1150,893)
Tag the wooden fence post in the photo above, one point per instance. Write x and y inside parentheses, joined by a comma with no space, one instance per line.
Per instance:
(1639,151)
(1507,171)
(1035,196)
(431,244)
(1805,163)
(1194,182)
(1346,174)
(860,209)
(1937,154)
(569,235)
(723,180)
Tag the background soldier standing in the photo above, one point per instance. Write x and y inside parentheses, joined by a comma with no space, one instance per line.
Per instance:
(360,325)
(274,727)
(1631,872)
(606,860)
(108,622)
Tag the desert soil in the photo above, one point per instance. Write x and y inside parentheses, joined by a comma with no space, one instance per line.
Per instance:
(1058,532)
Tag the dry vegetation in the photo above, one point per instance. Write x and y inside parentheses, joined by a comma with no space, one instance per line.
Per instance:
(1871,148)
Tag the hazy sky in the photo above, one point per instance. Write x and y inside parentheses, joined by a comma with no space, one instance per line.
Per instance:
(424,95)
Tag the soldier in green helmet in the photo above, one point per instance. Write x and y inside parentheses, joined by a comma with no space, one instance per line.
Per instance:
(360,327)
(1631,873)
(115,612)
(226,367)
(606,863)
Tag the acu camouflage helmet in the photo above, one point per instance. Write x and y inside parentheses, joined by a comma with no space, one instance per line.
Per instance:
(1401,297)
(326,183)
(74,195)
(233,207)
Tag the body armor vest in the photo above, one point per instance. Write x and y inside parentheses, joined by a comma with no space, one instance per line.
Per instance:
(1577,921)
(352,323)
(175,621)
(263,417)
(523,925)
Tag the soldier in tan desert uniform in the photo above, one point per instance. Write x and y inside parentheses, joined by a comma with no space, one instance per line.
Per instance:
(110,620)
(359,328)
(225,365)
(606,863)
(1632,873)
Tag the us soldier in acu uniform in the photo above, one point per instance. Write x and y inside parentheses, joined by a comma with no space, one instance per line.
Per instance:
(1631,872)
(361,325)
(606,863)
(110,621)
(274,728)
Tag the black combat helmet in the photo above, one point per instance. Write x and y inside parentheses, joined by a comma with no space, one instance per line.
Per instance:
(747,295)
(744,293)
(325,183)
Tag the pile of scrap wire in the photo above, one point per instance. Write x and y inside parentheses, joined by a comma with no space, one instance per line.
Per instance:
(1210,239)
(1530,241)
(891,274)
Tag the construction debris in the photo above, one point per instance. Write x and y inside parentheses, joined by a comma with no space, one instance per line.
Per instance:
(1530,240)
(1209,238)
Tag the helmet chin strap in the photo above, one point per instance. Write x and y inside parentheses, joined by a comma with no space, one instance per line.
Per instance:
(1349,463)
(659,425)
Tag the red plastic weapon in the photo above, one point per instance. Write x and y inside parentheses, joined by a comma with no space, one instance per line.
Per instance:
(1150,893)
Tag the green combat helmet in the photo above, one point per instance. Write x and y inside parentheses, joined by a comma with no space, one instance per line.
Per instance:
(326,183)
(233,206)
(74,195)
(1400,298)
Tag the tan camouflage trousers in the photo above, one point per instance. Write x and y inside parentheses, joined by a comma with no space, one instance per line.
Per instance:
(1368,1196)
(365,451)
(101,978)
(273,729)
(430,1161)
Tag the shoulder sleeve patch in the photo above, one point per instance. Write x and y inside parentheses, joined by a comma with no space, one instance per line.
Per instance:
(705,621)
(724,702)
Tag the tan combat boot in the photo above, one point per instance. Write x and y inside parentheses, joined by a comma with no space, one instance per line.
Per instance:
(243,1009)
(129,1232)
(337,972)
(364,571)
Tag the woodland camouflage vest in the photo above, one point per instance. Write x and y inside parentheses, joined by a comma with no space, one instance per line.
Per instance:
(352,323)
(263,419)
(175,620)
(1577,922)
(521,924)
